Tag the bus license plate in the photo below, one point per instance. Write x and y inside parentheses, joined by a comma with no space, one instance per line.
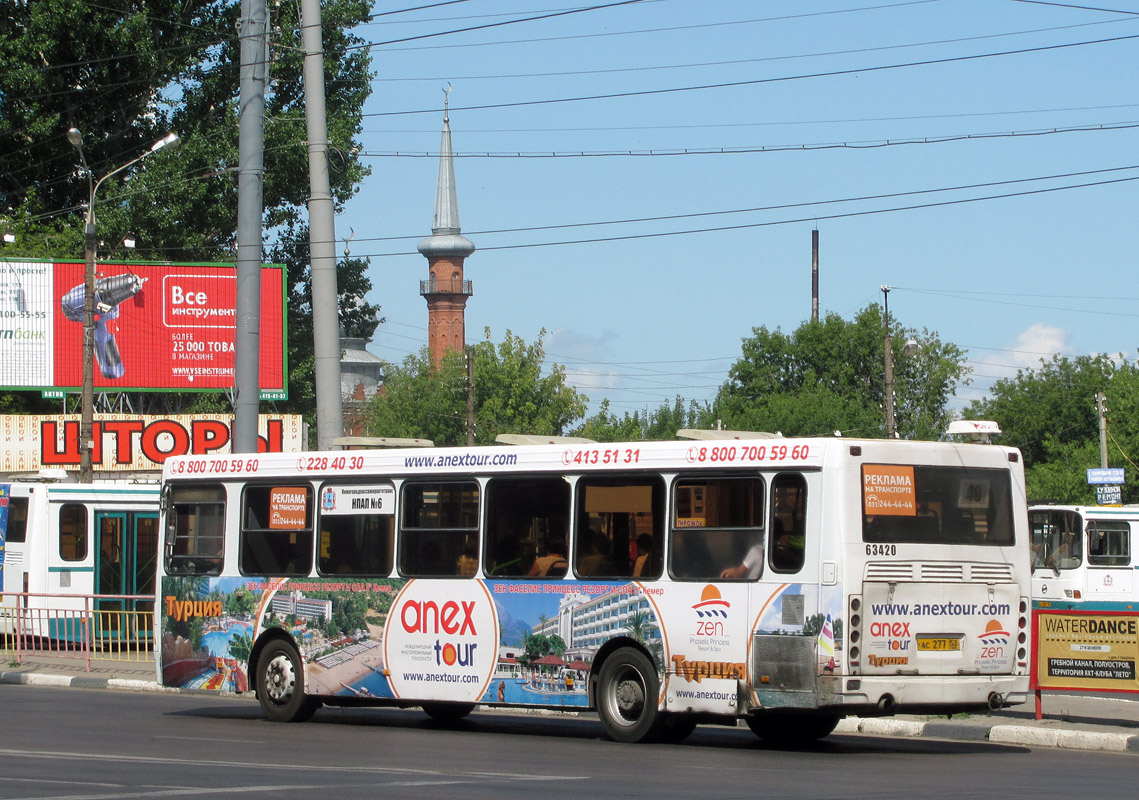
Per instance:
(942,643)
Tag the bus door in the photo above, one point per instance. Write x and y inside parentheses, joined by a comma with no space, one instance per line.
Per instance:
(1058,569)
(112,566)
(144,532)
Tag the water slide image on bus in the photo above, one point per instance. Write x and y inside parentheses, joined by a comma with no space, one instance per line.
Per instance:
(785,582)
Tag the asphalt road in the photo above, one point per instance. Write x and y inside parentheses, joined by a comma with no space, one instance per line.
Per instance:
(74,744)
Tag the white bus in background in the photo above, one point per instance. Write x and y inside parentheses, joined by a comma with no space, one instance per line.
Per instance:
(1083,557)
(66,542)
(787,582)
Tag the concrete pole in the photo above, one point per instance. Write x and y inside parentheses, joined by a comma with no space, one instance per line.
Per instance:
(322,237)
(253,29)
(891,428)
(1101,411)
(815,275)
(87,396)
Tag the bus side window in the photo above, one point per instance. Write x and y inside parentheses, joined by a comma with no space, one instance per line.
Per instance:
(73,532)
(195,530)
(357,543)
(439,531)
(612,513)
(17,519)
(717,528)
(276,530)
(788,522)
(526,524)
(1109,544)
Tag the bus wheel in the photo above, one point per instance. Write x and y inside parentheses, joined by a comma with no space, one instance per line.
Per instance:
(627,696)
(281,684)
(791,729)
(672,728)
(448,712)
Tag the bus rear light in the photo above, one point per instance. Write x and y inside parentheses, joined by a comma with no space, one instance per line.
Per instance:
(855,620)
(854,635)
(1023,606)
(854,654)
(1022,638)
(855,604)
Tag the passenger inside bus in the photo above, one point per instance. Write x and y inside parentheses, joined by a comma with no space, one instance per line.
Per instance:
(553,564)
(644,551)
(752,565)
(599,557)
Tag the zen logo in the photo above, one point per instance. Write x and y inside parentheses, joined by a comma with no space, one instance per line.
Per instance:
(711,612)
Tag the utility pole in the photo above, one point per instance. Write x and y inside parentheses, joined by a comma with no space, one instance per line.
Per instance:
(322,237)
(470,397)
(891,429)
(1101,411)
(253,30)
(815,275)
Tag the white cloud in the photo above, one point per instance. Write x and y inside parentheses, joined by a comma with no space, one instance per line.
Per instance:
(1039,342)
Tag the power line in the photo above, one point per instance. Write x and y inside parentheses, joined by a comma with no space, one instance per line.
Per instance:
(752,149)
(762,81)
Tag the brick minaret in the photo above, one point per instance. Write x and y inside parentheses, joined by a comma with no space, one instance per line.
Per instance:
(445,249)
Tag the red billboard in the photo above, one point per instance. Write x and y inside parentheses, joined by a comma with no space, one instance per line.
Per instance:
(158,327)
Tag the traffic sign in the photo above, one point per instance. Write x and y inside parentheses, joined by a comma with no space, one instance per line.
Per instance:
(1104,475)
(1109,496)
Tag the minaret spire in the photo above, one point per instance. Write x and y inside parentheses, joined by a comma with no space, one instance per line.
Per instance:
(445,249)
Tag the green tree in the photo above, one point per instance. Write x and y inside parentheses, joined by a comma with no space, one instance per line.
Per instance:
(829,375)
(125,76)
(1050,414)
(657,425)
(511,395)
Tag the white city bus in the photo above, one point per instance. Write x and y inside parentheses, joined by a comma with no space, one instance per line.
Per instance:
(1083,557)
(788,582)
(64,543)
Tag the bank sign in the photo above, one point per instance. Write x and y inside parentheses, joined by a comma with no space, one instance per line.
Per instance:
(133,442)
(158,327)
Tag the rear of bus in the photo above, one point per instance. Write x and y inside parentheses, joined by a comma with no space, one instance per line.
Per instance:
(937,576)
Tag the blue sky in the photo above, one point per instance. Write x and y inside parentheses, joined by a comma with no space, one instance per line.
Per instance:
(829,112)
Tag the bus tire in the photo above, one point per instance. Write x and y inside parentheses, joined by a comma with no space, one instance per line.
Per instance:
(628,688)
(673,727)
(791,729)
(448,712)
(281,684)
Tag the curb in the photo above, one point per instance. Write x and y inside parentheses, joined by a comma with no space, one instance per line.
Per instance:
(79,682)
(998,734)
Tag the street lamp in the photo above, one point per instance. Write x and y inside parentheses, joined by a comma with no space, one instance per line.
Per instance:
(87,398)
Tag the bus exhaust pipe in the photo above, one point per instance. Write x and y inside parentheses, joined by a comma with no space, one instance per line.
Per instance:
(886,704)
(996,702)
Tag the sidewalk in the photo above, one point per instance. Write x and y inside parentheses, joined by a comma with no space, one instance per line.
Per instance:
(1074,721)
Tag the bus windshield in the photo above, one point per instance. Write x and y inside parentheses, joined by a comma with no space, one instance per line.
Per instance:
(936,505)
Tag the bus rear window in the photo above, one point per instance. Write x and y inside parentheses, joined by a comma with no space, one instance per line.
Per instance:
(936,505)
(17,519)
